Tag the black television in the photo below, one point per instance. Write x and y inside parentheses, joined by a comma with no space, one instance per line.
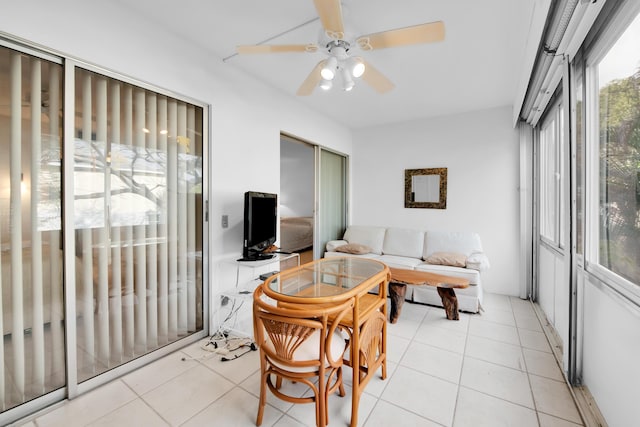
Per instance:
(260,219)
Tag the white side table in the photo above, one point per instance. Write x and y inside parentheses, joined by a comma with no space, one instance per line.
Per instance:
(234,306)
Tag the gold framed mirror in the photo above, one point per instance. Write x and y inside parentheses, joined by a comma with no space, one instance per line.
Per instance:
(425,188)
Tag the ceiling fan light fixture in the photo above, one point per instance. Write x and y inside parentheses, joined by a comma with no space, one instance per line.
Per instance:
(357,67)
(328,72)
(326,84)
(347,81)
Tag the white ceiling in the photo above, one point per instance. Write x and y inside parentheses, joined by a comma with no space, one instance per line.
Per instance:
(477,66)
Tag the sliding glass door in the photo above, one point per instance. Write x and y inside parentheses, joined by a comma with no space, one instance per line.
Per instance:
(332,199)
(101,231)
(137,221)
(32,312)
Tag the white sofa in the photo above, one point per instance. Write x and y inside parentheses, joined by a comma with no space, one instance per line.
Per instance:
(408,249)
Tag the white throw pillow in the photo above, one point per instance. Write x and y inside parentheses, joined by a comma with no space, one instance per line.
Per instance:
(477,261)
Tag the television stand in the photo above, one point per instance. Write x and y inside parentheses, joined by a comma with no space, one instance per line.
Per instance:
(257,257)
(233,306)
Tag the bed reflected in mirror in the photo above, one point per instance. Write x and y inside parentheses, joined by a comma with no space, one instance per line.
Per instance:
(425,188)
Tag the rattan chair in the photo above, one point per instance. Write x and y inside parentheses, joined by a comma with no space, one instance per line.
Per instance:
(372,344)
(300,345)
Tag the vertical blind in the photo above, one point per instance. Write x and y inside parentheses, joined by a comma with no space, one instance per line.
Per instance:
(32,349)
(138,188)
(137,219)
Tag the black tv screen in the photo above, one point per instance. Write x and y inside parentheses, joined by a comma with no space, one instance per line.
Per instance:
(260,220)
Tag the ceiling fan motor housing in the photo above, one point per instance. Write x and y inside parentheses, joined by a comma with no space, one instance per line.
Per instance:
(339,49)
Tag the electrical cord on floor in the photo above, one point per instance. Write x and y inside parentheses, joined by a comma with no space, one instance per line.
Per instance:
(233,311)
(252,347)
(224,345)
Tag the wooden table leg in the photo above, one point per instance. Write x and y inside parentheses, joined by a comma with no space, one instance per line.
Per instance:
(449,301)
(397,291)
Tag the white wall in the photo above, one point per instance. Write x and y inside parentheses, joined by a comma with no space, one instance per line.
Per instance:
(297,178)
(479,149)
(611,338)
(553,295)
(246,116)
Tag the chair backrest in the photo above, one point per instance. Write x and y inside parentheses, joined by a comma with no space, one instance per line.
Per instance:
(300,337)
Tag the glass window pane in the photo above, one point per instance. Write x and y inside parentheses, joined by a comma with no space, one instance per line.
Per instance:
(552,148)
(560,178)
(619,145)
(580,158)
(333,178)
(549,179)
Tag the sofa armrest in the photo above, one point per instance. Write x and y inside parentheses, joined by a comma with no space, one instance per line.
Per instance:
(478,261)
(333,244)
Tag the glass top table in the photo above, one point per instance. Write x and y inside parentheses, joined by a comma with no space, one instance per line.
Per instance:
(326,279)
(329,281)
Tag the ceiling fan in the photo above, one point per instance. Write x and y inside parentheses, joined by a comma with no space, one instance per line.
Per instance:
(340,58)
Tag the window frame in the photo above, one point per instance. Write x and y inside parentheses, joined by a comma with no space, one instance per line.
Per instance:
(606,38)
(552,121)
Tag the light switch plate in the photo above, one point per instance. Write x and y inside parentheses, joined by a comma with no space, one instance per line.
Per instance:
(225,221)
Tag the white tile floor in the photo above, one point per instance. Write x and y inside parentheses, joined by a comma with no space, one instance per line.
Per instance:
(494,369)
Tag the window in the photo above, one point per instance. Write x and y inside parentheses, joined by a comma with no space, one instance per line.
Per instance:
(615,90)
(579,135)
(552,176)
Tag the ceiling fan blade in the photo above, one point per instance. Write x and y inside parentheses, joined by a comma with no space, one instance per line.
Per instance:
(376,79)
(312,80)
(423,33)
(271,48)
(330,13)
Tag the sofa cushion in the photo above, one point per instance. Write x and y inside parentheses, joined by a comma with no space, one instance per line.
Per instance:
(451,241)
(353,248)
(403,242)
(333,244)
(472,275)
(400,261)
(478,261)
(366,235)
(370,255)
(453,259)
